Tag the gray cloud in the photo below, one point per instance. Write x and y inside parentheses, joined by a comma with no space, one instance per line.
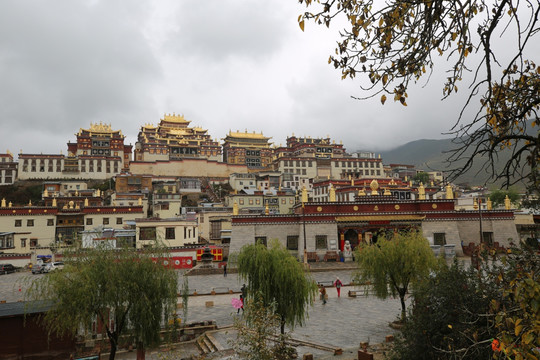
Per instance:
(224,64)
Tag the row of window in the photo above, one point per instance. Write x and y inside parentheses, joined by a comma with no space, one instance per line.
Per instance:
(295,171)
(357,164)
(321,241)
(299,163)
(91,166)
(149,233)
(258,201)
(50,222)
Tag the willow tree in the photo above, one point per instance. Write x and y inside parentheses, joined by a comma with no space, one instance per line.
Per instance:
(126,290)
(280,280)
(394,264)
(394,44)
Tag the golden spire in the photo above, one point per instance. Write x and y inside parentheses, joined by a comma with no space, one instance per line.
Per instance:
(30,203)
(332,194)
(361,192)
(45,193)
(10,204)
(421,192)
(85,202)
(139,202)
(489,204)
(449,192)
(507,203)
(475,204)
(54,202)
(304,195)
(266,210)
(387,192)
(235,208)
(3,204)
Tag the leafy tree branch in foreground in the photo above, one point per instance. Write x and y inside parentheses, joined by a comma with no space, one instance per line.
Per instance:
(395,43)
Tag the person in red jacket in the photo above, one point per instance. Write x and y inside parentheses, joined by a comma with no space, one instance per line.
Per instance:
(338,284)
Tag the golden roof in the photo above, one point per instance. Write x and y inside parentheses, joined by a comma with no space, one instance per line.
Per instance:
(246,135)
(175,118)
(100,128)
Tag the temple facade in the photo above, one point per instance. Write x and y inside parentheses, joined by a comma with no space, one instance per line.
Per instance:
(173,139)
(250,149)
(326,226)
(322,158)
(98,154)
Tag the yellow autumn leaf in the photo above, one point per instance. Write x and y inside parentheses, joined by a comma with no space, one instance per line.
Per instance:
(383,99)
(301,23)
(517,330)
(450,326)
(384,79)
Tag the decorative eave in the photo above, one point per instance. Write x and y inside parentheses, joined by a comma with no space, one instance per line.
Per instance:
(370,218)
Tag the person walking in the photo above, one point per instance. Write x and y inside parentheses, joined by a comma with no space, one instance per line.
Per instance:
(322,290)
(338,284)
(242,307)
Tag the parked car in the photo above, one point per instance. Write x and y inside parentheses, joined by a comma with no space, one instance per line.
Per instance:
(38,268)
(57,265)
(6,268)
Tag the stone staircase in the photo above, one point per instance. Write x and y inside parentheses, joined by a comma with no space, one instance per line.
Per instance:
(208,189)
(207,343)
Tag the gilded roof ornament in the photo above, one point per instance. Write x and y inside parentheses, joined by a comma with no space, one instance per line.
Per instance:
(507,203)
(449,192)
(421,192)
(175,118)
(100,128)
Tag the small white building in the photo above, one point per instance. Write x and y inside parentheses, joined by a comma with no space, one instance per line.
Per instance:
(173,232)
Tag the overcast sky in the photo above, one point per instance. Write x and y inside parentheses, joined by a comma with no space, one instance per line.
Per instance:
(223,64)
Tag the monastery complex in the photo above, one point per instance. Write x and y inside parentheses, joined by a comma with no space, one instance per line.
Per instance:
(179,184)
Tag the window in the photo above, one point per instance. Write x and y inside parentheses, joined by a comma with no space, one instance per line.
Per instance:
(89,221)
(50,222)
(23,242)
(439,239)
(488,238)
(118,221)
(18,223)
(30,222)
(105,221)
(33,242)
(260,239)
(320,242)
(147,233)
(169,233)
(292,242)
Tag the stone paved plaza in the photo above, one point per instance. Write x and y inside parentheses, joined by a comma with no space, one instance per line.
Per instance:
(342,322)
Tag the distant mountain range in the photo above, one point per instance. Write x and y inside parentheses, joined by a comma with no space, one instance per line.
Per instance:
(429,155)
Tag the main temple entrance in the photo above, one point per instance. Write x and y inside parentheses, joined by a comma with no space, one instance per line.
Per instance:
(352,236)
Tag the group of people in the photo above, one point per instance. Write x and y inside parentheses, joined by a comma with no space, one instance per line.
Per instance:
(338,284)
